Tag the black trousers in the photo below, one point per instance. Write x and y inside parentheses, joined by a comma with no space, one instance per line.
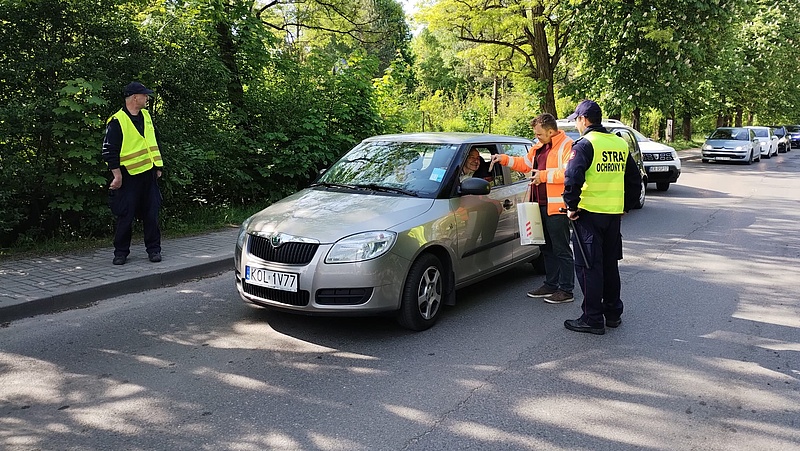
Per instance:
(139,197)
(601,284)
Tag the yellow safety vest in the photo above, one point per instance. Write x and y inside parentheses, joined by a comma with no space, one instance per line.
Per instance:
(604,188)
(138,153)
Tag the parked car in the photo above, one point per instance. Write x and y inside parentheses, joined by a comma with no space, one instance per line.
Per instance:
(388,228)
(784,145)
(794,135)
(768,140)
(732,144)
(660,161)
(625,133)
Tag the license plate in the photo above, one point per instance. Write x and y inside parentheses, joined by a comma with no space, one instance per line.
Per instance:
(285,281)
(722,158)
(659,169)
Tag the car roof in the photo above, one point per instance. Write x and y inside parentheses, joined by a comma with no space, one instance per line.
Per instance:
(756,126)
(450,138)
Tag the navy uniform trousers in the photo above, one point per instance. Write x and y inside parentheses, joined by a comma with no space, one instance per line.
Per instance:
(600,284)
(139,197)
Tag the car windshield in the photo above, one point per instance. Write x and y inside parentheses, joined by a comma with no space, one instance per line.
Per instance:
(410,168)
(793,128)
(779,132)
(761,132)
(738,134)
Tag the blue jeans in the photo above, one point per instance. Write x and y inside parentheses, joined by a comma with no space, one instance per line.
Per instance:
(559,265)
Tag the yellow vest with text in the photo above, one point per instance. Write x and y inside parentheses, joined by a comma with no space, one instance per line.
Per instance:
(604,188)
(138,153)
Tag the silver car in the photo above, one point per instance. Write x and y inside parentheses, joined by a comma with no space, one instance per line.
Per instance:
(396,225)
(731,144)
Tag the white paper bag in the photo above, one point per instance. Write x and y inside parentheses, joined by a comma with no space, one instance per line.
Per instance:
(530,223)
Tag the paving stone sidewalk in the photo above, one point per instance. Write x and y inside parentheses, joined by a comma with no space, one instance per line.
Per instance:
(39,285)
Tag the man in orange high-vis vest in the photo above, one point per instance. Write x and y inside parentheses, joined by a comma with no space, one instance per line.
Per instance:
(132,153)
(547,159)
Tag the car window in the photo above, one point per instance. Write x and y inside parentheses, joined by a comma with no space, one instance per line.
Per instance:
(628,137)
(516,150)
(495,176)
(761,132)
(779,132)
(419,168)
(793,128)
(723,133)
(639,137)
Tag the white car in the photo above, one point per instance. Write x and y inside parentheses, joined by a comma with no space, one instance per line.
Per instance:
(660,161)
(768,140)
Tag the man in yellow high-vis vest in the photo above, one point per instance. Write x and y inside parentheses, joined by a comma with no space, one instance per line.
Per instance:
(131,151)
(601,183)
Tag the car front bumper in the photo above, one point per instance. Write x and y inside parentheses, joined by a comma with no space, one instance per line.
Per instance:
(720,155)
(367,287)
(656,173)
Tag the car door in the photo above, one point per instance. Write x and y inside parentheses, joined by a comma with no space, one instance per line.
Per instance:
(486,224)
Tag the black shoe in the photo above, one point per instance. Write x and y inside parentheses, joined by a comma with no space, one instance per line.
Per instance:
(613,322)
(155,257)
(119,260)
(578,325)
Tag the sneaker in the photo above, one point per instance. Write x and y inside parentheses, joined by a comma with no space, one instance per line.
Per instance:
(155,257)
(541,292)
(119,260)
(559,297)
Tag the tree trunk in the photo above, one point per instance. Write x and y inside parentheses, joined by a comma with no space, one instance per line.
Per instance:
(687,126)
(636,118)
(494,96)
(739,113)
(227,51)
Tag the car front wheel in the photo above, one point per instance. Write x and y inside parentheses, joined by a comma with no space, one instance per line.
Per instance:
(422,294)
(642,196)
(662,186)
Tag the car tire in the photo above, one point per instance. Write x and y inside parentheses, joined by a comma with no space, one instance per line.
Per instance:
(704,160)
(750,158)
(642,196)
(423,294)
(662,186)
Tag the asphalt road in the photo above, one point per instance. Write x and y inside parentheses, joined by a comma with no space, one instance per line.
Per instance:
(707,357)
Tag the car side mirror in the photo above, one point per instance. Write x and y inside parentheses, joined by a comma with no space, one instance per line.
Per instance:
(474,185)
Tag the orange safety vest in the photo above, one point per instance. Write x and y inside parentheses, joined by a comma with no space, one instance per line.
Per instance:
(553,174)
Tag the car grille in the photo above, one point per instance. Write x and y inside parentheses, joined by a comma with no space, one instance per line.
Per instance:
(663,156)
(343,296)
(299,298)
(290,253)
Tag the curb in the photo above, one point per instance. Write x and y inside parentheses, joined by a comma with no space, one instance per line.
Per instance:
(88,296)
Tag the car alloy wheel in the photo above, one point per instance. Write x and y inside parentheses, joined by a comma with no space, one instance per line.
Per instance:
(422,294)
(642,195)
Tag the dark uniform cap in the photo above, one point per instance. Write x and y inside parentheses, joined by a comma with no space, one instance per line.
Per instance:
(136,88)
(588,109)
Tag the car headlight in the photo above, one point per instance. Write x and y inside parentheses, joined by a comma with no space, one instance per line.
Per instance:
(243,232)
(360,247)
(706,147)
(741,148)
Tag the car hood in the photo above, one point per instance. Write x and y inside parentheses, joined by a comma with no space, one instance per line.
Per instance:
(729,143)
(327,216)
(654,147)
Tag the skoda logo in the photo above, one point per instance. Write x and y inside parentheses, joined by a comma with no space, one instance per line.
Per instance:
(276,240)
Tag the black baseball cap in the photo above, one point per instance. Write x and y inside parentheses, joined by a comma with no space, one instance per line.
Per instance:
(136,88)
(589,109)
